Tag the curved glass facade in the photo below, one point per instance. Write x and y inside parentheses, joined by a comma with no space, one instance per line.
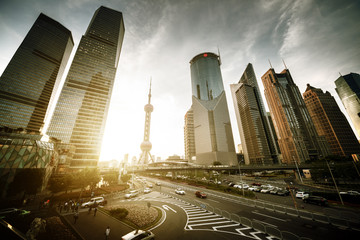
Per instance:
(206,77)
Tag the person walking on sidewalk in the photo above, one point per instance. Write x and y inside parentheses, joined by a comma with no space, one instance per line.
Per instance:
(95,210)
(76,216)
(107,233)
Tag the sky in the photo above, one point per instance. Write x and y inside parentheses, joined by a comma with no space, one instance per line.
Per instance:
(317,39)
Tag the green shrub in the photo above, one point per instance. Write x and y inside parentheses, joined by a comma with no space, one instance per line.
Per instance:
(119,213)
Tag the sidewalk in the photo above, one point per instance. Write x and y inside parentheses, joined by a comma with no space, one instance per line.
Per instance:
(92,227)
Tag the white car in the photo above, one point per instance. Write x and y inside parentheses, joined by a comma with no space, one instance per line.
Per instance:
(95,200)
(138,234)
(147,190)
(302,195)
(179,191)
(352,192)
(131,194)
(150,185)
(265,190)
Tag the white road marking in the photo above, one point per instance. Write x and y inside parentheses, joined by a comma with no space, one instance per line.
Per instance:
(166,207)
(212,223)
(269,216)
(214,200)
(205,220)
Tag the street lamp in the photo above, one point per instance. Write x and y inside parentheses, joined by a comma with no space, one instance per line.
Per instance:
(242,186)
(297,167)
(332,176)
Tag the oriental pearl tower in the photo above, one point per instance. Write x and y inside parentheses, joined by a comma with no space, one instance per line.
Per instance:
(146,144)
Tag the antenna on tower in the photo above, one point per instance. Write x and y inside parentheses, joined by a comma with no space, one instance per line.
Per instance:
(150,90)
(270,63)
(219,55)
(284,63)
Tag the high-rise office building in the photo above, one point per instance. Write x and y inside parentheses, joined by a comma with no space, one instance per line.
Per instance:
(33,74)
(330,122)
(348,89)
(257,140)
(189,138)
(81,111)
(297,136)
(212,128)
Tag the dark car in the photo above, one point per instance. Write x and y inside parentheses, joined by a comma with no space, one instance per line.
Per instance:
(200,194)
(316,200)
(283,193)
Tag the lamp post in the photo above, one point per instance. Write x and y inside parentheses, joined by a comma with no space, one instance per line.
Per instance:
(297,167)
(242,186)
(332,176)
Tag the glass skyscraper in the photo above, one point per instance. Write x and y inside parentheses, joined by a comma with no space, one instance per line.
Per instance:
(81,111)
(256,138)
(297,136)
(33,74)
(212,128)
(348,89)
(330,122)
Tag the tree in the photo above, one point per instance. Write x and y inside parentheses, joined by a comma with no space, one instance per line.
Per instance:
(87,177)
(111,177)
(125,177)
(62,183)
(27,180)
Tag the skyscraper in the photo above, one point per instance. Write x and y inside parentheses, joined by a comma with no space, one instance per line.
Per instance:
(212,128)
(33,74)
(330,122)
(189,138)
(297,136)
(256,138)
(348,89)
(80,114)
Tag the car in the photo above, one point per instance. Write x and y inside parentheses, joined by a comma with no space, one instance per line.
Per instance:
(316,200)
(158,184)
(132,193)
(352,193)
(257,189)
(252,188)
(200,194)
(265,190)
(302,195)
(179,191)
(274,191)
(138,234)
(12,212)
(150,185)
(147,190)
(256,184)
(283,193)
(94,201)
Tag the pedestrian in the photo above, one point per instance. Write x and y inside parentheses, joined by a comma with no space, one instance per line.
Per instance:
(60,208)
(76,216)
(95,210)
(107,233)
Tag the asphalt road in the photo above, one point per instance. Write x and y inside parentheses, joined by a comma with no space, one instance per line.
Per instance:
(188,217)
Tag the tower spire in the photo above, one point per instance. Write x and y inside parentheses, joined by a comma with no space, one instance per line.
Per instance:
(270,63)
(284,63)
(150,91)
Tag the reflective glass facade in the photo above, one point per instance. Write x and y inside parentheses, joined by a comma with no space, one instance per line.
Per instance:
(80,114)
(330,122)
(256,139)
(206,77)
(33,74)
(24,151)
(348,89)
(212,128)
(297,136)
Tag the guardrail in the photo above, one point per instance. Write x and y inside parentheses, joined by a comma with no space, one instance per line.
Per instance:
(329,216)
